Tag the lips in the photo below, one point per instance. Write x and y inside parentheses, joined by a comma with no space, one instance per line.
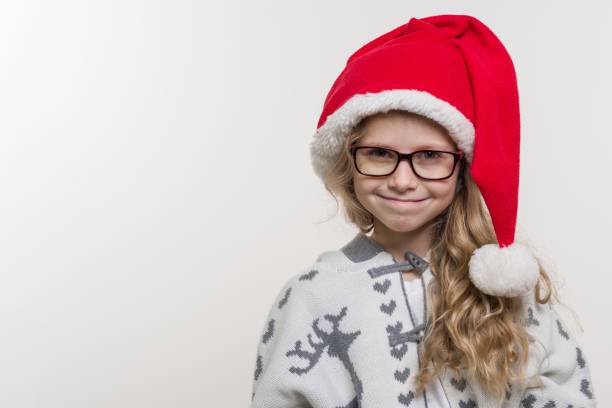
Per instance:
(404,200)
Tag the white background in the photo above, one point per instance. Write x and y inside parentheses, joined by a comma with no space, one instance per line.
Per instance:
(157,188)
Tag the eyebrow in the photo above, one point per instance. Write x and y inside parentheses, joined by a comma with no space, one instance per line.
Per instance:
(418,147)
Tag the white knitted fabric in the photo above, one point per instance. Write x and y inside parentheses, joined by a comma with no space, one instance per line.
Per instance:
(338,335)
(436,396)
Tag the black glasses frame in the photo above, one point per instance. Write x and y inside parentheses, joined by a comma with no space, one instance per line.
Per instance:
(457,156)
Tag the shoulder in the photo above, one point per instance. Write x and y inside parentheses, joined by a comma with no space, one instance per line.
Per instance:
(329,277)
(532,310)
(547,328)
(315,282)
(320,272)
(327,267)
(536,316)
(303,296)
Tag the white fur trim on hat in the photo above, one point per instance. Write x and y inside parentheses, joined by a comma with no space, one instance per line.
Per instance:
(329,138)
(504,271)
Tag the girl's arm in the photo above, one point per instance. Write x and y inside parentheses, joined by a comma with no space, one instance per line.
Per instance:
(561,373)
(273,385)
(293,366)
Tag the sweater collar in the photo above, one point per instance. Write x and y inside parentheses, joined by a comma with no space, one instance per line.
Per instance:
(363,248)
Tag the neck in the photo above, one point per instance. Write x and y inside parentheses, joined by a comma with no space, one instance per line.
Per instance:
(397,242)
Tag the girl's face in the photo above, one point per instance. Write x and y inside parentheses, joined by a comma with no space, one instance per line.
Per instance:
(405,134)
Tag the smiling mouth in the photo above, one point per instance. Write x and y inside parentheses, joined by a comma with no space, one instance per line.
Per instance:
(403,201)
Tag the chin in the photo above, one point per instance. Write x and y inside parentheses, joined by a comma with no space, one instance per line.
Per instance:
(405,223)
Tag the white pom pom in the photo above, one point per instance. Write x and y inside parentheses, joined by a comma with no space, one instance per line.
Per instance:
(509,271)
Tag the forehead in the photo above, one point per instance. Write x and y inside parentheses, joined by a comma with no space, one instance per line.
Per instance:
(402,131)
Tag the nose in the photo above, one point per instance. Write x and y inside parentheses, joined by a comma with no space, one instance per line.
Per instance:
(403,177)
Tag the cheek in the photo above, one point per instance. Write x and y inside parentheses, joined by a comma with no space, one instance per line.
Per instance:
(362,185)
(365,190)
(360,192)
(444,191)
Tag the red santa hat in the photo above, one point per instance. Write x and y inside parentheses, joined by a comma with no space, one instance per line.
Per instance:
(454,70)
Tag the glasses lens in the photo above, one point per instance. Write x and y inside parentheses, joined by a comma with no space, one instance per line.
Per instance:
(433,164)
(430,164)
(375,161)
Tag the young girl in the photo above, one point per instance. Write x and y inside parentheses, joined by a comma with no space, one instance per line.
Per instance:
(439,306)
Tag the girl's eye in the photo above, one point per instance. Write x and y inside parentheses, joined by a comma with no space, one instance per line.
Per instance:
(429,154)
(378,152)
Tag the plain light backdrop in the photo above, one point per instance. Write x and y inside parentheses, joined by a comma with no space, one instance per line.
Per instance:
(157,188)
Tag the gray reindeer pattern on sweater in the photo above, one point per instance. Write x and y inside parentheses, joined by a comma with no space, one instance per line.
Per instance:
(341,334)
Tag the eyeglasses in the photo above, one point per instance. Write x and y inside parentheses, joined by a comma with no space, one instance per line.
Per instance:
(426,164)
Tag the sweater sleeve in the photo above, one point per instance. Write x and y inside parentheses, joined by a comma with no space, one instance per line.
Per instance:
(294,367)
(560,373)
(272,387)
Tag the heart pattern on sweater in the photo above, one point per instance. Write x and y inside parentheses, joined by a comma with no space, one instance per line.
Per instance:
(528,401)
(388,308)
(285,298)
(459,384)
(382,287)
(469,404)
(579,359)
(403,375)
(561,331)
(399,352)
(531,321)
(258,367)
(585,387)
(406,399)
(395,329)
(269,332)
(309,275)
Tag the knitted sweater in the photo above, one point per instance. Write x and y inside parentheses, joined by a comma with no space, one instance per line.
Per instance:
(436,397)
(342,334)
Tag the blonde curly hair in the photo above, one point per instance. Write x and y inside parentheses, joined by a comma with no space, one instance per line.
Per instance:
(467,329)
